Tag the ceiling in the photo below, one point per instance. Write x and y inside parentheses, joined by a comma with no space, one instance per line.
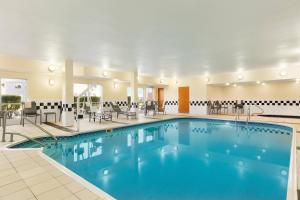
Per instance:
(165,38)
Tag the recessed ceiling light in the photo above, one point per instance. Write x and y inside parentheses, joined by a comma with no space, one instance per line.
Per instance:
(257,82)
(105,73)
(283,73)
(240,76)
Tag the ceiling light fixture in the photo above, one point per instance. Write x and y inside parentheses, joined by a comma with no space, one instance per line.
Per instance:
(227,84)
(263,84)
(234,85)
(240,77)
(257,82)
(283,73)
(51,68)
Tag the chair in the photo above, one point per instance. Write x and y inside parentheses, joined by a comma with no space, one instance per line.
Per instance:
(160,108)
(119,111)
(209,107)
(217,107)
(30,112)
(241,107)
(97,113)
(150,105)
(225,107)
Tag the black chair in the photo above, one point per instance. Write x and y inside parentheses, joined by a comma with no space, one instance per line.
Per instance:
(209,107)
(30,112)
(217,107)
(225,107)
(119,111)
(150,105)
(241,106)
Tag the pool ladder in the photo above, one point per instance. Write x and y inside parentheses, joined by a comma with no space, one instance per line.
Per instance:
(248,116)
(3,115)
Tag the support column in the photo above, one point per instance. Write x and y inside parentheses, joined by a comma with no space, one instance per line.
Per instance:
(134,87)
(67,96)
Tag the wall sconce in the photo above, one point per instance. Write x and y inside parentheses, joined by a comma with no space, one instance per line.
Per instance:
(51,82)
(161,80)
(116,85)
(51,68)
(206,79)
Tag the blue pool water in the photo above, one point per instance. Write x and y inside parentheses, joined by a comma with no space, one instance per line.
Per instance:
(182,159)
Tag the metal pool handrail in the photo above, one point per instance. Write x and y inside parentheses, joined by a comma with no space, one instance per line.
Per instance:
(42,129)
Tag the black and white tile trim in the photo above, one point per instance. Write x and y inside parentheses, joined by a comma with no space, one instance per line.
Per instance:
(106,104)
(48,105)
(171,103)
(67,107)
(247,102)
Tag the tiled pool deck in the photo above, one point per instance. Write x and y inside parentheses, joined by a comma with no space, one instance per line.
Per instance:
(26,174)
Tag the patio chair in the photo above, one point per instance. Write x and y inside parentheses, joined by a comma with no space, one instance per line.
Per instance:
(150,105)
(30,112)
(217,107)
(240,107)
(161,109)
(209,107)
(119,111)
(225,107)
(97,113)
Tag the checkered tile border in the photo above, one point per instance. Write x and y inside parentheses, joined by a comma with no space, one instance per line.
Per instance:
(48,105)
(247,102)
(171,103)
(106,104)
(68,107)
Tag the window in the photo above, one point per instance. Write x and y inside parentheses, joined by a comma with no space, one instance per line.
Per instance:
(149,93)
(141,94)
(79,88)
(129,91)
(14,87)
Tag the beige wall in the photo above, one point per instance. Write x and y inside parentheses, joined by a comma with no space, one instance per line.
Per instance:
(272,90)
(37,75)
(197,86)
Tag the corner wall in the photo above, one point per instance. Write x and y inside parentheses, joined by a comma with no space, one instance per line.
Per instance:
(275,98)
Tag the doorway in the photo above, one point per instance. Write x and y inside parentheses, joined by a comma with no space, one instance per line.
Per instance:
(183,99)
(160,99)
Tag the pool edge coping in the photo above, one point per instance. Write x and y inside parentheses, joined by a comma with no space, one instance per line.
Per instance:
(292,177)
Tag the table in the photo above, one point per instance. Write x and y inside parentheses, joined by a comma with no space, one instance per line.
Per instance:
(49,113)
